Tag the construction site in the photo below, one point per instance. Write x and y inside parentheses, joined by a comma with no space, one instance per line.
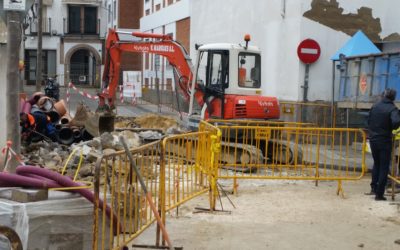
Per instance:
(152,140)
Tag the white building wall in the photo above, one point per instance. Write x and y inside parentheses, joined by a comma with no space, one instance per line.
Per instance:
(277,31)
(170,14)
(3,88)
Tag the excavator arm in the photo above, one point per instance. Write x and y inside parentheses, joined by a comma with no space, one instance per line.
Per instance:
(162,45)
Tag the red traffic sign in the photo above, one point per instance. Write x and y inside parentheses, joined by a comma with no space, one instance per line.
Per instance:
(308,51)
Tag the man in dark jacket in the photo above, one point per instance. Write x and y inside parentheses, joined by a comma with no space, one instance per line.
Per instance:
(383,118)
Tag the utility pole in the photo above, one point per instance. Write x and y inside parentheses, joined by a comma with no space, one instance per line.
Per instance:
(12,90)
(39,47)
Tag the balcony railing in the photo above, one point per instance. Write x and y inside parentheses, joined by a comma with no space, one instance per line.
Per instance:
(81,1)
(82,29)
(46,27)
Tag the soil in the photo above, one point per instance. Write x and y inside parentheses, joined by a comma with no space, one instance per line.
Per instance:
(156,121)
(287,215)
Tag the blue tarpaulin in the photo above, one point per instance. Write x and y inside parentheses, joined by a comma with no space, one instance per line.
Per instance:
(358,45)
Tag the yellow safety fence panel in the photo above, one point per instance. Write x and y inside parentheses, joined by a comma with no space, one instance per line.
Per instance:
(394,174)
(187,167)
(250,150)
(175,170)
(320,114)
(125,213)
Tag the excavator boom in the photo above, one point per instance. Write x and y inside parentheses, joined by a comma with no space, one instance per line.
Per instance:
(162,45)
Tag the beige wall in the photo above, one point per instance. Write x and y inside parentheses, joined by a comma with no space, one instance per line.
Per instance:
(3,85)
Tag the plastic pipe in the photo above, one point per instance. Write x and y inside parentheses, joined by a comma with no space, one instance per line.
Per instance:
(65,182)
(65,136)
(65,119)
(27,107)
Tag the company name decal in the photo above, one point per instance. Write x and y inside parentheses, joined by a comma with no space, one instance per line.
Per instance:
(162,48)
(154,48)
(265,104)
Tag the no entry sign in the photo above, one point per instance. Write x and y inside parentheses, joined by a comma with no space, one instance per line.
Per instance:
(308,51)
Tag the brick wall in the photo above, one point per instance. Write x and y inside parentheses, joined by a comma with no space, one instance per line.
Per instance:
(130,12)
(183,33)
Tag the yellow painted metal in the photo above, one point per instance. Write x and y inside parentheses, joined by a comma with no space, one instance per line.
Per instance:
(84,184)
(175,171)
(289,151)
(181,167)
(310,112)
(394,173)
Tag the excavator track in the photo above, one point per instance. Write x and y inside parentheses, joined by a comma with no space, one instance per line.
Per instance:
(244,157)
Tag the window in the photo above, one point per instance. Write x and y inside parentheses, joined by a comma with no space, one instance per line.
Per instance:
(249,71)
(213,69)
(89,24)
(74,14)
(48,66)
(90,20)
(158,6)
(109,13)
(114,9)
(170,2)
(147,12)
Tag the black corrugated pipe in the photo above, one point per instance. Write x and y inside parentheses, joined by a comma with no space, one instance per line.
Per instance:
(66,136)
(54,116)
(86,136)
(77,134)
(58,127)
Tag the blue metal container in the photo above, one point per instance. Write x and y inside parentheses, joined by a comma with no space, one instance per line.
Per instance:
(364,78)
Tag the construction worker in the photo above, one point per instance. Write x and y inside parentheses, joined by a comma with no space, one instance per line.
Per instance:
(383,118)
(36,126)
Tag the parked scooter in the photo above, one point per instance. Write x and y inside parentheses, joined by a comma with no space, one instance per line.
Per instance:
(52,88)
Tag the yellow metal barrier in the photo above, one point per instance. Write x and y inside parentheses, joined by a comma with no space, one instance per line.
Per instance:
(186,162)
(175,171)
(394,174)
(116,183)
(299,153)
(310,112)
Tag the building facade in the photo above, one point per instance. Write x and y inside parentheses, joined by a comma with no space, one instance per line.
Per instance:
(164,17)
(277,28)
(73,38)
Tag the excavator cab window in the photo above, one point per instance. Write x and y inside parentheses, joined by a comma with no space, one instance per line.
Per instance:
(249,73)
(213,69)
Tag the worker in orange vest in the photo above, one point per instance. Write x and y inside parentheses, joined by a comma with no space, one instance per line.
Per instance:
(36,126)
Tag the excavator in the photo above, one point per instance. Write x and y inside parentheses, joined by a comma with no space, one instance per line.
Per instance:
(224,84)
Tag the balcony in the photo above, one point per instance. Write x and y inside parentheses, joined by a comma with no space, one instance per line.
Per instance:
(46,27)
(80,27)
(94,2)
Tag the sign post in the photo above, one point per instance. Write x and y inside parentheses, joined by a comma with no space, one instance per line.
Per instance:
(308,52)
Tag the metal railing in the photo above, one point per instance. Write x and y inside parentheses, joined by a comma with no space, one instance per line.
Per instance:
(275,151)
(320,114)
(82,29)
(175,171)
(394,173)
(182,167)
(46,27)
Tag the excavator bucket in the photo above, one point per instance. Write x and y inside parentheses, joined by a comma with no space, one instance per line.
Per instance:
(97,123)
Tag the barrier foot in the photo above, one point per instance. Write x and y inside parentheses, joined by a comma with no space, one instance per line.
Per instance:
(207,210)
(155,247)
(340,189)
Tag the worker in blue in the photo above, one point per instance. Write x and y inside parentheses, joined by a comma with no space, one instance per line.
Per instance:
(383,118)
(35,126)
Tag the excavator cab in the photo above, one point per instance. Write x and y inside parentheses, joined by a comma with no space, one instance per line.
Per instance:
(229,75)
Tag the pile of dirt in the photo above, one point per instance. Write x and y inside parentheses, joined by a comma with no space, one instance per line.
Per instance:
(124,122)
(156,121)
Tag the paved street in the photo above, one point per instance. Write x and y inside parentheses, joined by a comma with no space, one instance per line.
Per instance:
(123,109)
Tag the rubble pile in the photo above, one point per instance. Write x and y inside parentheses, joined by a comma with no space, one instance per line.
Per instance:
(54,156)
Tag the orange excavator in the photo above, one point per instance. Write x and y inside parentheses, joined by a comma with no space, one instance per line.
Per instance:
(225,82)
